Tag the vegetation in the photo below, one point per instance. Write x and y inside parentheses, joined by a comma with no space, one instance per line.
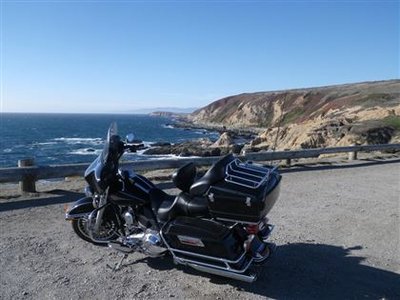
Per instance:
(379,99)
(393,121)
(292,115)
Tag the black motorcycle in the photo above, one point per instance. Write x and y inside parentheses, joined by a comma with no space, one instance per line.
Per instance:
(216,224)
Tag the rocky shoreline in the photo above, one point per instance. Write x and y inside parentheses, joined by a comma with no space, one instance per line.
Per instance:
(231,140)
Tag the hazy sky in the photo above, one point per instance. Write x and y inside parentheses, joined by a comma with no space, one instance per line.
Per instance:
(116,56)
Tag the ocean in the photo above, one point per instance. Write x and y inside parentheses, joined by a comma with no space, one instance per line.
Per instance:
(79,138)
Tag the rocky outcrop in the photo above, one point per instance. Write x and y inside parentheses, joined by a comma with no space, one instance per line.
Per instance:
(225,140)
(199,147)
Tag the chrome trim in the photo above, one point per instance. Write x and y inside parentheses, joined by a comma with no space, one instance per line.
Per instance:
(228,268)
(243,167)
(242,277)
(100,211)
(220,259)
(237,221)
(236,167)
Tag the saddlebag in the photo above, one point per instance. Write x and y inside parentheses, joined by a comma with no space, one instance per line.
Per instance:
(247,193)
(191,236)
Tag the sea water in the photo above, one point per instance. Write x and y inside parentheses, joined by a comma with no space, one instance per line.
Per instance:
(79,138)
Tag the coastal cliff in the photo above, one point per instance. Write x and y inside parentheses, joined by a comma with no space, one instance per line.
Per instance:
(363,113)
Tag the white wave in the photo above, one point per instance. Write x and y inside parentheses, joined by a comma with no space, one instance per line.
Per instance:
(70,140)
(201,132)
(7,150)
(168,126)
(139,152)
(86,151)
(46,143)
(147,144)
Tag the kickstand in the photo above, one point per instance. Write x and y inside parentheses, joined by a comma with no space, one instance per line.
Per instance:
(119,264)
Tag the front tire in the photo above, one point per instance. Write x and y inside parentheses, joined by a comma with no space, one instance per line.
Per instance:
(108,231)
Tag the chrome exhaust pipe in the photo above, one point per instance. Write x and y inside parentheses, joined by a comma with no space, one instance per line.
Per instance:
(119,247)
(237,276)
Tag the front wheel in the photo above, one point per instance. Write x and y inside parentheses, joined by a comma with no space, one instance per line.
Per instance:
(107,231)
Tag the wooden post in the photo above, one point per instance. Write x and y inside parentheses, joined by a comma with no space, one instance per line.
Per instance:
(288,160)
(353,154)
(28,184)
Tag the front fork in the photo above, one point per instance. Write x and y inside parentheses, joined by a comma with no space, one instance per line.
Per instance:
(96,216)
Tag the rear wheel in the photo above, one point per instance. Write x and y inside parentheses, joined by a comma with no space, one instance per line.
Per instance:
(107,231)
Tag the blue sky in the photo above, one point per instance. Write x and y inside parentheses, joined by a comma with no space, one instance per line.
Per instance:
(118,56)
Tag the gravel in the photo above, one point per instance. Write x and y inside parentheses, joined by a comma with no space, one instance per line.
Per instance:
(337,231)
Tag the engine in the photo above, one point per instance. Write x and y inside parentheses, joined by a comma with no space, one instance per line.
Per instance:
(146,241)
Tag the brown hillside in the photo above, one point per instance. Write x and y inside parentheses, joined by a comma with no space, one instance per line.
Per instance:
(367,112)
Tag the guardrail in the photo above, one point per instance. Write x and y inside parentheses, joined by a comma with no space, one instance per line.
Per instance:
(27,173)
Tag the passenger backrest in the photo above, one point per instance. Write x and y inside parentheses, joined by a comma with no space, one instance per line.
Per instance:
(213,175)
(184,177)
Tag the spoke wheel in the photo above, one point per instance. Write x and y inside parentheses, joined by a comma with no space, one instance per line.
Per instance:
(107,231)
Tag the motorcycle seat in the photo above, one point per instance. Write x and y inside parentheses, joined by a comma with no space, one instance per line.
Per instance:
(167,207)
(212,176)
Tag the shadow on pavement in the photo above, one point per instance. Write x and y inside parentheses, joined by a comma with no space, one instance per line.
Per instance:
(60,196)
(309,271)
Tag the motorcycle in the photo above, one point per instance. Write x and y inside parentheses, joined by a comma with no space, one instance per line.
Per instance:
(217,223)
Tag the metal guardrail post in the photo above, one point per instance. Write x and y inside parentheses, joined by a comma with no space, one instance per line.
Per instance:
(28,183)
(353,154)
(288,160)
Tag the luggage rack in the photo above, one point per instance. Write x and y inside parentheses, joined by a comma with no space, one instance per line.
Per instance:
(247,175)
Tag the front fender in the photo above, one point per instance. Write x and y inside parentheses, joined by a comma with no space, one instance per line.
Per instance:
(81,208)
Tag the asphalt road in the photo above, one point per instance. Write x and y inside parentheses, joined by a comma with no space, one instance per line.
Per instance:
(337,231)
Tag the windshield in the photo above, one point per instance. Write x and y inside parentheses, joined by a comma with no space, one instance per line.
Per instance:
(112,131)
(104,167)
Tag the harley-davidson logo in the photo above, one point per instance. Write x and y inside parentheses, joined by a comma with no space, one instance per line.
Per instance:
(191,241)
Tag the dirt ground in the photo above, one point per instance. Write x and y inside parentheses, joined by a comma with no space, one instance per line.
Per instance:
(337,231)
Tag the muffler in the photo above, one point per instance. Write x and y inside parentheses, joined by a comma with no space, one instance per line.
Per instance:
(237,276)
